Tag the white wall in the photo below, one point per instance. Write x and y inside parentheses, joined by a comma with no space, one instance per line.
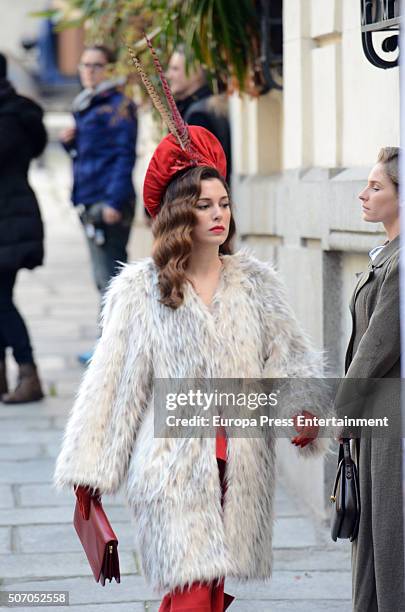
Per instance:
(17,23)
(257,125)
(370,99)
(338,108)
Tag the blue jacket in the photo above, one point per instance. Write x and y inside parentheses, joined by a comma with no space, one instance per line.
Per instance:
(103,151)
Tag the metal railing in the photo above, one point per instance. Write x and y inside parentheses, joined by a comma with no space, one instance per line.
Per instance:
(380,16)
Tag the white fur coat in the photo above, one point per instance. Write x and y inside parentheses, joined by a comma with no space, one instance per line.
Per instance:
(172,484)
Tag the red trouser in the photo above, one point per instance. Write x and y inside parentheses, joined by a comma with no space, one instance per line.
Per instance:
(199,598)
(203,597)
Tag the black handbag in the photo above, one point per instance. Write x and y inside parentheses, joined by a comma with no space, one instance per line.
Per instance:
(345,497)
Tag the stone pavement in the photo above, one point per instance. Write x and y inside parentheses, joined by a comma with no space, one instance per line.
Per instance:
(39,549)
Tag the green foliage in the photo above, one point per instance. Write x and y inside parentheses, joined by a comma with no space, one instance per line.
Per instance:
(217,33)
(222,35)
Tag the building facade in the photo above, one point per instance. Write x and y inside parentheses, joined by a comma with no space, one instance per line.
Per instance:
(302,155)
(300,158)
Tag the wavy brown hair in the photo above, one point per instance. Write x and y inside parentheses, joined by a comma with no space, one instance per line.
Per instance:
(172,230)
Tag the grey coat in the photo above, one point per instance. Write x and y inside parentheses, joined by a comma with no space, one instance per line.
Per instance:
(374,347)
(172,484)
(374,352)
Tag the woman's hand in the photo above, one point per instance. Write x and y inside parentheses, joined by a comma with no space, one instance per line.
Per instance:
(68,134)
(306,433)
(84,496)
(111,216)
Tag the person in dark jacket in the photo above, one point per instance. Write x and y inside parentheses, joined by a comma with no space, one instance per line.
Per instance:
(102,147)
(22,138)
(197,104)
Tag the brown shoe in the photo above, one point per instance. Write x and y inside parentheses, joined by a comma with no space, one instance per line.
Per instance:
(3,378)
(28,388)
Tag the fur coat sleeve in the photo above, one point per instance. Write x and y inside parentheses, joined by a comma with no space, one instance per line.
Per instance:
(290,354)
(110,407)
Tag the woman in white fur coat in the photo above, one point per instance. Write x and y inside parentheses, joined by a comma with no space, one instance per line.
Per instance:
(192,310)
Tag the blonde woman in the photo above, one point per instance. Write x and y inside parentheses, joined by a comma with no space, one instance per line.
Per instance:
(374,352)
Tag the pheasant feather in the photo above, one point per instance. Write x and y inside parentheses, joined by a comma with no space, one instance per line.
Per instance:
(178,120)
(160,107)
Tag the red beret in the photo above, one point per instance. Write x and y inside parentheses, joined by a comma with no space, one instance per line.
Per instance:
(169,159)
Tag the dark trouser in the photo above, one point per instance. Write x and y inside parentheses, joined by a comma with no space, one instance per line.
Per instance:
(13,332)
(105,258)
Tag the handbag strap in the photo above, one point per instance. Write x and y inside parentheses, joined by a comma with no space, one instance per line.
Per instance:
(346,455)
(346,458)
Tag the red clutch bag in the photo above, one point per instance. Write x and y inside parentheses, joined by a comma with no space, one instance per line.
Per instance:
(99,542)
